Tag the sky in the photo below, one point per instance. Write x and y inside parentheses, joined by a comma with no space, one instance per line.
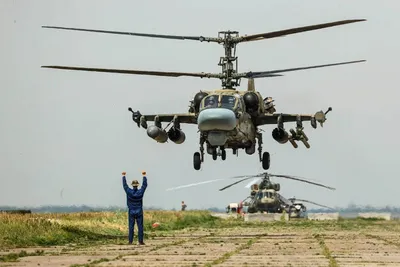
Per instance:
(71,132)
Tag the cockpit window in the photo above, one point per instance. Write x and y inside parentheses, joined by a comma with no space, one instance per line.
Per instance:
(228,101)
(211,101)
(268,194)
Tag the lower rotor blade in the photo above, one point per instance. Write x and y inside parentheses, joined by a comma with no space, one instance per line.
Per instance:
(139,72)
(262,74)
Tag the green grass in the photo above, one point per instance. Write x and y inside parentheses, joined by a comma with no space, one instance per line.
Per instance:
(18,230)
(15,256)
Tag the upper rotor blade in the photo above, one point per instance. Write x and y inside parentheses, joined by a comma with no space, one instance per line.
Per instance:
(261,36)
(301,179)
(175,37)
(140,72)
(262,74)
(234,184)
(311,202)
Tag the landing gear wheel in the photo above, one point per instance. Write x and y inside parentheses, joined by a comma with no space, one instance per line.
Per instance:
(214,154)
(223,154)
(265,161)
(196,161)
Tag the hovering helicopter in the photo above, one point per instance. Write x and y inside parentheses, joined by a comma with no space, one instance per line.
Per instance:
(227,118)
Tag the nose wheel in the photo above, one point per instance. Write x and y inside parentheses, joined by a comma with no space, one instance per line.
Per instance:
(221,152)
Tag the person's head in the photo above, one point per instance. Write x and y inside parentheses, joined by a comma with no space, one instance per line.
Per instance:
(135,184)
(183,202)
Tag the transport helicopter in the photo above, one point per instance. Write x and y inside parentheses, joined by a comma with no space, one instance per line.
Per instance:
(227,118)
(264,196)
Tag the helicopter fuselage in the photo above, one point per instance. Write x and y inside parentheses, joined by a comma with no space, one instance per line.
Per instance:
(225,119)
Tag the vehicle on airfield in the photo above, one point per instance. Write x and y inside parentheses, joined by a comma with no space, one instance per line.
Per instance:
(227,118)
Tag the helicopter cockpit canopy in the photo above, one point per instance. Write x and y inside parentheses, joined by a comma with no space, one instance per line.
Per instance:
(220,101)
(266,194)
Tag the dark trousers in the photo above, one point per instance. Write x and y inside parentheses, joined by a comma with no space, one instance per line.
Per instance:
(138,217)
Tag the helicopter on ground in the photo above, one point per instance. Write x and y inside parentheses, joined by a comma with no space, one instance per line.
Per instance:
(227,118)
(264,196)
(296,208)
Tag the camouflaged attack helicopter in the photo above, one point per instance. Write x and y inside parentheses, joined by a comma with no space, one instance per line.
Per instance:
(227,118)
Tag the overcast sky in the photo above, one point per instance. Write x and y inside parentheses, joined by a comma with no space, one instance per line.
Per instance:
(71,131)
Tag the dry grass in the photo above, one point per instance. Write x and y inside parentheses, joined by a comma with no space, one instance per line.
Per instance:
(194,237)
(58,229)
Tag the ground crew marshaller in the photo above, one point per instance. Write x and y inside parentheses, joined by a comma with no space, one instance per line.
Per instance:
(134,199)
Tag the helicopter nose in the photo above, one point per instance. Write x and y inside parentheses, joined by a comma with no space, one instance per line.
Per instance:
(221,119)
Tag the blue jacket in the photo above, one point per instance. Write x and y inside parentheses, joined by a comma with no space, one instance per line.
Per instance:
(134,197)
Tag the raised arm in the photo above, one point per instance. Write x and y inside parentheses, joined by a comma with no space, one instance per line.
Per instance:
(124,184)
(144,184)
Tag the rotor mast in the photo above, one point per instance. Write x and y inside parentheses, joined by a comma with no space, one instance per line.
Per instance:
(227,62)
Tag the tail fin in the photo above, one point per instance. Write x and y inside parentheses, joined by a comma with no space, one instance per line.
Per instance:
(250,85)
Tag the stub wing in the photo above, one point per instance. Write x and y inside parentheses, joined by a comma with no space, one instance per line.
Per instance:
(281,135)
(280,118)
(141,120)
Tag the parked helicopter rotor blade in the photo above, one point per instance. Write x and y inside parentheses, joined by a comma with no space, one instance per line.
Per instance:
(256,180)
(263,74)
(233,184)
(301,180)
(139,72)
(250,176)
(164,36)
(199,183)
(311,202)
(194,184)
(268,35)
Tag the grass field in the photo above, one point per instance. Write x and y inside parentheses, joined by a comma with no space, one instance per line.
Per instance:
(194,238)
